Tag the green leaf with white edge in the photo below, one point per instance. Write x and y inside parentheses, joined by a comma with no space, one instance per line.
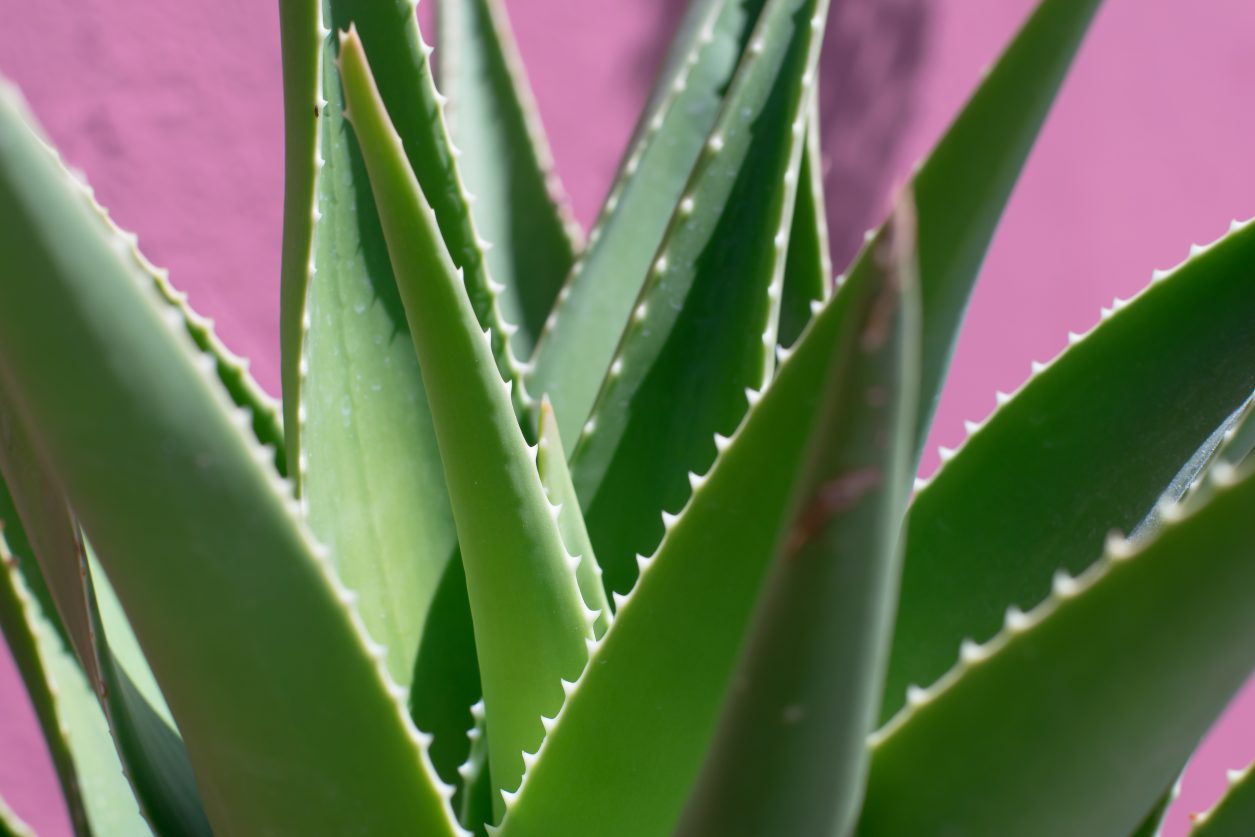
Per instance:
(579,342)
(256,645)
(151,748)
(1234,814)
(1153,824)
(789,755)
(99,799)
(551,463)
(530,620)
(151,751)
(704,330)
(474,796)
(505,161)
(374,484)
(50,541)
(371,478)
(808,266)
(11,825)
(1173,364)
(961,188)
(390,29)
(635,729)
(1163,625)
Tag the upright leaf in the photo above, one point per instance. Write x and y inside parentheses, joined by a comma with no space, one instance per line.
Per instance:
(704,330)
(578,345)
(808,266)
(530,622)
(1101,430)
(371,478)
(254,642)
(519,204)
(634,731)
(551,463)
(963,185)
(789,755)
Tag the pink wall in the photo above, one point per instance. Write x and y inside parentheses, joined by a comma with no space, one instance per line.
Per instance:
(173,110)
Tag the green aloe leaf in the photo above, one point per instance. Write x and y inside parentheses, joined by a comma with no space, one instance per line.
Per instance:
(961,188)
(530,621)
(1136,657)
(49,541)
(551,463)
(255,643)
(1234,814)
(789,755)
(152,753)
(634,730)
(1173,364)
(474,798)
(808,266)
(519,203)
(97,794)
(704,328)
(578,346)
(370,473)
(1153,824)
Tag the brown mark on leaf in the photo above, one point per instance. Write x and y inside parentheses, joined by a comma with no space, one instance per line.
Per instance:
(833,497)
(315,111)
(892,254)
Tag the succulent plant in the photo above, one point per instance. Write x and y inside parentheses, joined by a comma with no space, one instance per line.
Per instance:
(614,535)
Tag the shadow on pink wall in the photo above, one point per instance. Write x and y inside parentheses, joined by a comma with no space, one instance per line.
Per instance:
(173,111)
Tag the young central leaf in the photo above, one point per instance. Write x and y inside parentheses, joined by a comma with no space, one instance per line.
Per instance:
(704,328)
(530,621)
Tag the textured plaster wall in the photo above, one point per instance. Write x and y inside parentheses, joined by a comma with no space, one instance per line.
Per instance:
(172,108)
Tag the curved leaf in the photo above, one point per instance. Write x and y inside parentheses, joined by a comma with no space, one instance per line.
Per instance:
(256,646)
(530,621)
(704,329)
(579,341)
(1133,659)
(505,160)
(789,755)
(1102,430)
(624,752)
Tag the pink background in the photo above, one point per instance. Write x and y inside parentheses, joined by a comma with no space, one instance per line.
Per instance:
(172,108)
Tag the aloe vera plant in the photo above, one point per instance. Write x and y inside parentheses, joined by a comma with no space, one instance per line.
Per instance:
(613,533)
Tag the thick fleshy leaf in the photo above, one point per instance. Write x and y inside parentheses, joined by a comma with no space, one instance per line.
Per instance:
(530,621)
(704,329)
(1102,430)
(1153,824)
(808,267)
(152,753)
(963,185)
(254,641)
(96,790)
(50,542)
(1234,814)
(519,204)
(593,309)
(635,729)
(789,755)
(1074,718)
(551,463)
(370,471)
